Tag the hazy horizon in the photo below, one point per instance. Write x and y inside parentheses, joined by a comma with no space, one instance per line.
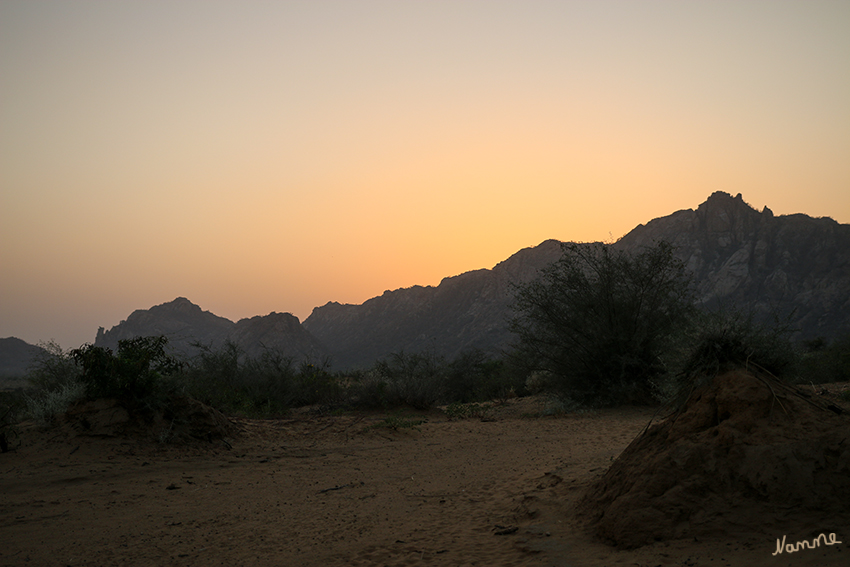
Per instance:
(260,157)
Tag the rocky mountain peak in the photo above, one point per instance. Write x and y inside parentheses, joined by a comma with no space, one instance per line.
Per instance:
(721,213)
(179,305)
(790,266)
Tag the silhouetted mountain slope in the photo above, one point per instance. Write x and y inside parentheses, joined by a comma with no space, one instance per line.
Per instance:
(16,356)
(463,312)
(280,332)
(184,323)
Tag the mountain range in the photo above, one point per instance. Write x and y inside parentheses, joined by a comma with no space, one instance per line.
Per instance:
(794,267)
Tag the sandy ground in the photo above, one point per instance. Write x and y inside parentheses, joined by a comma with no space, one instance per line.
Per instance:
(337,490)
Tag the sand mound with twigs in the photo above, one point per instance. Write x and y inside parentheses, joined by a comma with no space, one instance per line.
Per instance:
(745,450)
(178,419)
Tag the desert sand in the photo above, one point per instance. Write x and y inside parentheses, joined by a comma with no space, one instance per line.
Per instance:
(316,489)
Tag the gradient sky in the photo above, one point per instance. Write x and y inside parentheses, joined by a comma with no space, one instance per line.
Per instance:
(274,156)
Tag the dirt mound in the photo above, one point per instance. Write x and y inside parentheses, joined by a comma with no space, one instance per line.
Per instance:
(179,419)
(746,453)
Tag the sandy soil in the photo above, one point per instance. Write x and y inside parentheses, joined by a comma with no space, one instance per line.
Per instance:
(341,490)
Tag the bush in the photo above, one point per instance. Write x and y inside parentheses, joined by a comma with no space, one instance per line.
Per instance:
(724,341)
(135,374)
(315,384)
(473,377)
(11,404)
(367,389)
(417,380)
(423,380)
(52,368)
(824,362)
(231,381)
(45,405)
(57,383)
(599,321)
(215,377)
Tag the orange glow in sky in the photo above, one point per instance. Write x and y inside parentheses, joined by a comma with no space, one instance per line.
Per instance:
(274,156)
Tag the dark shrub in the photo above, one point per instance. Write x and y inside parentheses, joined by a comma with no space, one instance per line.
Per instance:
(473,377)
(134,374)
(823,362)
(599,321)
(417,380)
(52,368)
(723,341)
(229,380)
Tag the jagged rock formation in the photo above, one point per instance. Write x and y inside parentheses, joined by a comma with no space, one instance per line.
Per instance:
(469,311)
(793,266)
(185,324)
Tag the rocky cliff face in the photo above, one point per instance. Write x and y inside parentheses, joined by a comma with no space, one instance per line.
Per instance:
(793,266)
(184,323)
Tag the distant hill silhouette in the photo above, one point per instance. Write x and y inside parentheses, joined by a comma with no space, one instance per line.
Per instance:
(793,265)
(16,356)
(185,325)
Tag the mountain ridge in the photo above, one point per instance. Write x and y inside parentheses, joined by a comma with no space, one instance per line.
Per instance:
(187,326)
(790,266)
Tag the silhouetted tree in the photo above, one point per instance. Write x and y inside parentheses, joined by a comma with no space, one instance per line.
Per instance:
(598,320)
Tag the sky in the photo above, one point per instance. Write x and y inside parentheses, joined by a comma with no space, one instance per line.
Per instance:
(274,156)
